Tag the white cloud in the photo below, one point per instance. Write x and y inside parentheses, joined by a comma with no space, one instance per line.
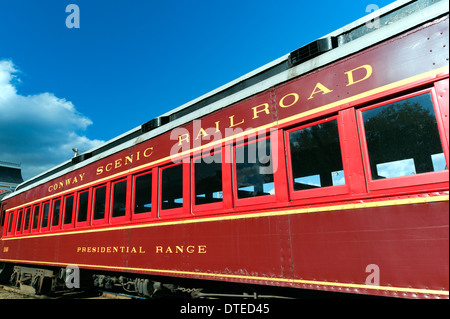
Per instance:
(39,130)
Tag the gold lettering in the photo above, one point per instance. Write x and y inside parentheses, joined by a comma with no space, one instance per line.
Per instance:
(179,249)
(128,159)
(169,250)
(256,111)
(141,251)
(110,165)
(50,188)
(232,121)
(82,176)
(296,97)
(133,250)
(217,126)
(351,80)
(100,170)
(75,180)
(190,249)
(181,139)
(320,88)
(118,163)
(201,132)
(145,152)
(159,249)
(202,249)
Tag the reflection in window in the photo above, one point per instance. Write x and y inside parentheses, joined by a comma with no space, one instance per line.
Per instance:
(99,202)
(45,215)
(56,211)
(143,194)
(403,138)
(36,217)
(19,220)
(119,198)
(83,201)
(316,156)
(68,210)
(254,173)
(208,180)
(172,187)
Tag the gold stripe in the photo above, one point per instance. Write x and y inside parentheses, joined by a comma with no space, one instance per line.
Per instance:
(381,89)
(193,220)
(284,280)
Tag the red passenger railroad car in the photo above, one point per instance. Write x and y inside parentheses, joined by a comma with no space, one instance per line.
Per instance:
(326,169)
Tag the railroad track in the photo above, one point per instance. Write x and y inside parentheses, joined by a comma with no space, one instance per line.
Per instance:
(9,292)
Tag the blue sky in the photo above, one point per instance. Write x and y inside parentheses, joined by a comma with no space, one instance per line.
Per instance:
(130,61)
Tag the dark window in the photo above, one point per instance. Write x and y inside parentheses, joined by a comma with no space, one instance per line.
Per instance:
(45,215)
(68,210)
(143,194)
(11,218)
(316,156)
(36,217)
(208,180)
(27,218)
(19,220)
(119,198)
(56,212)
(403,138)
(83,202)
(99,202)
(172,187)
(254,173)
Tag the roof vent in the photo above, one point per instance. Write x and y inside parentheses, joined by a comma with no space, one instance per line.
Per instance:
(312,50)
(80,158)
(157,122)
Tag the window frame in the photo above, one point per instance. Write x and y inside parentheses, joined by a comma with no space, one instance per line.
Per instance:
(19,224)
(409,180)
(27,210)
(199,208)
(103,220)
(264,199)
(37,229)
(154,195)
(321,191)
(52,213)
(186,188)
(87,222)
(49,216)
(11,223)
(125,217)
(72,222)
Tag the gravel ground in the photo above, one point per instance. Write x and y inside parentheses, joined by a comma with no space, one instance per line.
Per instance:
(7,294)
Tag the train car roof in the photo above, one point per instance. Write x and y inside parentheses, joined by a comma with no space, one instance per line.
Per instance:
(396,18)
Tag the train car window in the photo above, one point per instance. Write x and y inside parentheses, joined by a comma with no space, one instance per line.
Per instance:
(19,221)
(254,174)
(26,225)
(172,186)
(45,215)
(36,217)
(56,212)
(208,179)
(3,215)
(10,222)
(83,206)
(119,198)
(143,193)
(68,210)
(99,202)
(315,157)
(402,138)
